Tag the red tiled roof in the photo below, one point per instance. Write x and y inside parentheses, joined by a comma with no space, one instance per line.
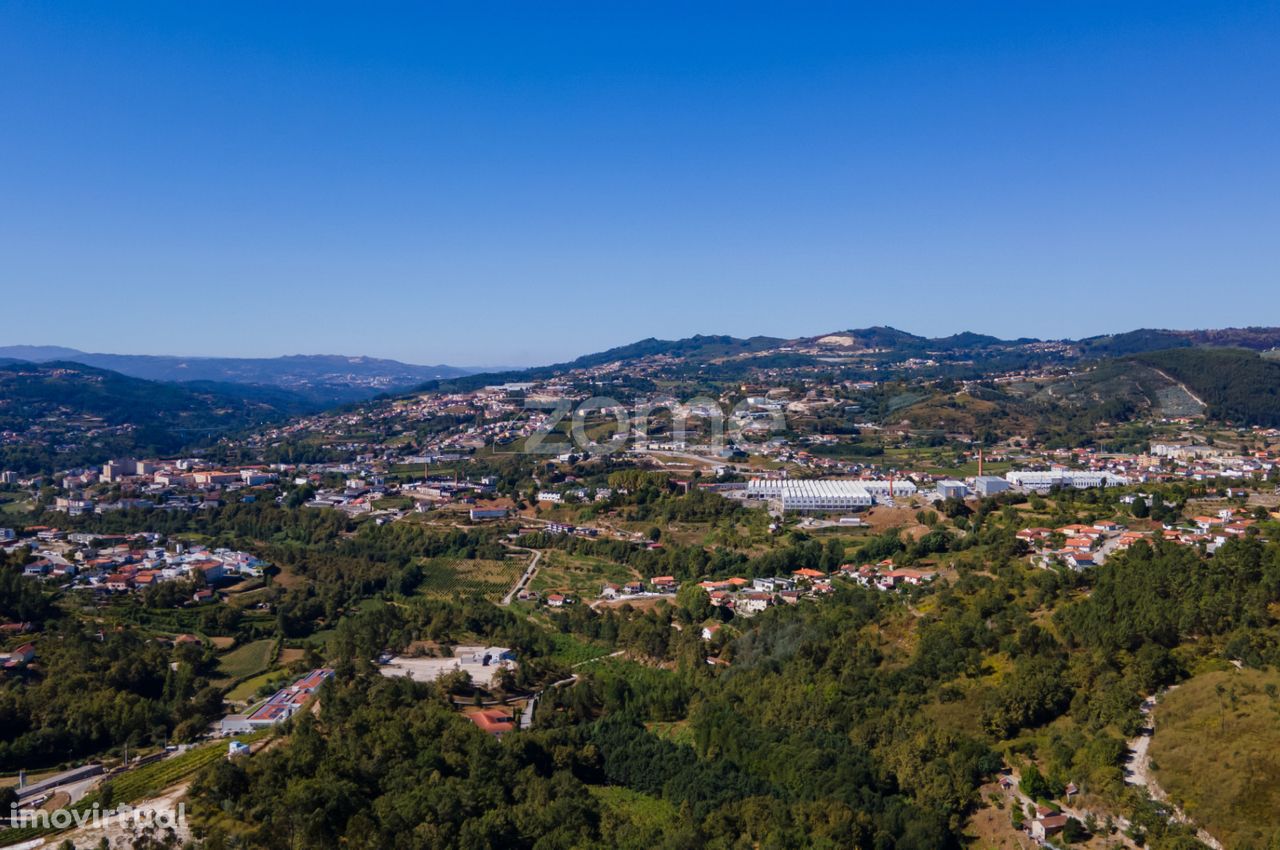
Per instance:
(494,721)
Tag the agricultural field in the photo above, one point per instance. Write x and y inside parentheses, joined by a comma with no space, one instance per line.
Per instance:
(172,621)
(248,689)
(143,782)
(248,660)
(453,578)
(571,650)
(1216,751)
(580,575)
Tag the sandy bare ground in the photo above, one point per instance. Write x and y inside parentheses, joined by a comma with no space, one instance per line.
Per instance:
(640,603)
(122,832)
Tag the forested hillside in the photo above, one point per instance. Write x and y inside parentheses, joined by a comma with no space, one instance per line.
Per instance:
(1239,386)
(62,415)
(854,722)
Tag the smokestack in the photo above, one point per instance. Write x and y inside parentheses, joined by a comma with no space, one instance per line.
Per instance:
(980,459)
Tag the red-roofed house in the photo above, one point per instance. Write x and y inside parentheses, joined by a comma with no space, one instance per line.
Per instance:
(20,657)
(494,721)
(753,603)
(1043,827)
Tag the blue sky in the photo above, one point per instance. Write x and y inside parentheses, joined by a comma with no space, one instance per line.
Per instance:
(494,183)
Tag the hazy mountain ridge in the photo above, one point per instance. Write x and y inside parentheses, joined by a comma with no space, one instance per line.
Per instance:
(320,378)
(961,355)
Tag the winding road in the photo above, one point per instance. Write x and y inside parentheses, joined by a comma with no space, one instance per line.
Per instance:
(1137,771)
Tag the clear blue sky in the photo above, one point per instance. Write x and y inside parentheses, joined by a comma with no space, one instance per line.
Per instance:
(515,183)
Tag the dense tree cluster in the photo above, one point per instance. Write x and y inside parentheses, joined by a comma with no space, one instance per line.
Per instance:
(90,692)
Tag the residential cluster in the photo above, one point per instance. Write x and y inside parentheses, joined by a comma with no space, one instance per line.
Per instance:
(174,485)
(747,597)
(1081,546)
(123,563)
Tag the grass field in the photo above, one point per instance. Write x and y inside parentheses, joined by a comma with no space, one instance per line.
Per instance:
(247,660)
(319,640)
(248,689)
(1217,752)
(145,781)
(13,503)
(572,650)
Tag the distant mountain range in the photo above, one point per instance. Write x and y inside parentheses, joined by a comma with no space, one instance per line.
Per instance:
(63,407)
(323,379)
(879,348)
(318,379)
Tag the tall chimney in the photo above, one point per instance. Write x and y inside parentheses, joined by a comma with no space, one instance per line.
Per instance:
(980,459)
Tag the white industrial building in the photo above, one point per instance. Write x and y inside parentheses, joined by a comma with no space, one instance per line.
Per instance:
(989,485)
(841,494)
(1079,479)
(897,489)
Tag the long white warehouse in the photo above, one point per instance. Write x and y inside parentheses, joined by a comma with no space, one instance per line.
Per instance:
(1079,479)
(826,494)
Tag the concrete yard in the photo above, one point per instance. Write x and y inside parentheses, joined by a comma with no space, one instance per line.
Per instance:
(468,658)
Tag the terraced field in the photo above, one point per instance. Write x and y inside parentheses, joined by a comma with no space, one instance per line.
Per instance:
(581,575)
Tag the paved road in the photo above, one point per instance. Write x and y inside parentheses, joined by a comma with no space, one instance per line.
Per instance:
(526,717)
(1108,546)
(529,573)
